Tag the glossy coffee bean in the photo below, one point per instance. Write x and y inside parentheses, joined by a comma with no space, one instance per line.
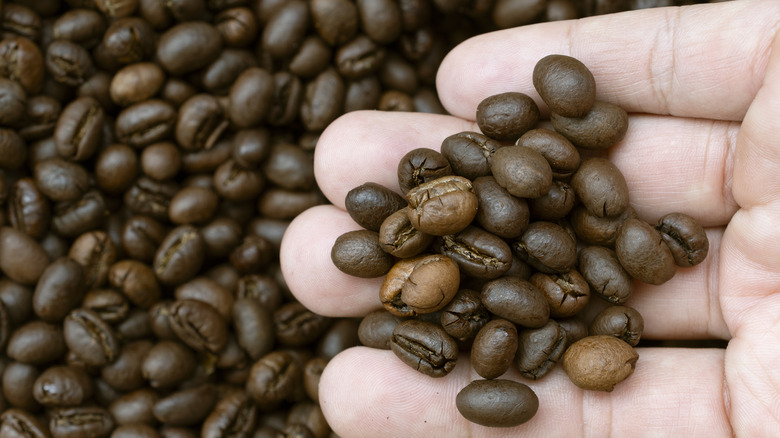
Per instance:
(540,349)
(61,180)
(188,46)
(380,20)
(603,126)
(523,172)
(28,209)
(252,146)
(297,326)
(81,26)
(565,85)
(167,364)
(323,100)
(63,386)
(200,122)
(87,213)
(179,256)
(335,21)
(285,29)
(685,237)
(622,322)
(253,325)
(606,276)
(425,347)
(555,204)
(499,212)
(507,116)
(421,165)
(232,414)
(567,293)
(236,183)
(146,122)
(18,382)
(14,102)
(547,247)
(136,83)
(42,114)
(370,204)
(59,290)
(22,259)
(494,348)
(37,343)
(78,129)
(644,253)
(23,61)
(442,206)
(376,329)
(497,403)
(273,378)
(198,325)
(125,373)
(508,14)
(186,407)
(465,315)
(68,63)
(598,363)
(399,238)
(136,281)
(13,148)
(359,57)
(17,300)
(95,252)
(250,97)
(290,167)
(563,157)
(116,168)
(422,284)
(516,300)
(20,423)
(478,253)
(135,407)
(81,421)
(362,94)
(312,58)
(90,338)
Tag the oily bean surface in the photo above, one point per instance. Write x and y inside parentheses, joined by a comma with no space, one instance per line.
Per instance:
(497,403)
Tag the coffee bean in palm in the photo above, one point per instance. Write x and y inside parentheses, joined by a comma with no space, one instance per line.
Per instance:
(399,238)
(478,253)
(540,349)
(565,85)
(603,126)
(499,212)
(622,322)
(418,285)
(553,205)
(370,204)
(497,403)
(507,116)
(685,237)
(567,293)
(644,253)
(601,187)
(465,315)
(598,363)
(598,230)
(547,247)
(563,157)
(421,165)
(607,278)
(425,347)
(516,300)
(442,206)
(469,153)
(523,172)
(358,253)
(494,348)
(574,327)
(376,329)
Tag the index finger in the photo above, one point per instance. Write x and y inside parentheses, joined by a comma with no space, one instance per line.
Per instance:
(701,61)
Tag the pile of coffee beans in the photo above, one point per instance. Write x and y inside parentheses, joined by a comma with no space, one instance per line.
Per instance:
(502,239)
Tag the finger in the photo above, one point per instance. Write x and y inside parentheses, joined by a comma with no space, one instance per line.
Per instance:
(702,61)
(685,307)
(676,392)
(670,164)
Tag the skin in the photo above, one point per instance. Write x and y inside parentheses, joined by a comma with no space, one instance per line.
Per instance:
(699,82)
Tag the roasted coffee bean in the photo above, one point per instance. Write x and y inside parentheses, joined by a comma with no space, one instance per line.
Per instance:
(376,329)
(250,97)
(287,95)
(116,168)
(422,284)
(198,325)
(252,146)
(136,83)
(297,326)
(188,46)
(251,255)
(208,291)
(685,237)
(565,85)
(567,293)
(116,8)
(469,153)
(323,100)
(233,414)
(150,197)
(601,187)
(547,247)
(335,21)
(77,421)
(273,379)
(508,13)
(135,407)
(362,94)
(22,259)
(13,150)
(28,209)
(419,166)
(290,167)
(42,114)
(312,58)
(158,320)
(399,238)
(622,322)
(575,329)
(135,431)
(254,327)
(90,337)
(370,204)
(261,288)
(20,423)
(220,237)
(125,373)
(598,363)
(558,10)
(285,29)
(342,334)
(553,205)
(22,61)
(77,134)
(603,126)
(68,63)
(218,77)
(193,205)
(523,172)
(87,213)
(140,237)
(179,256)
(186,407)
(146,122)
(563,157)
(398,74)
(394,100)
(494,348)
(507,116)
(516,300)
(312,372)
(359,57)
(499,212)
(442,206)
(98,87)
(18,382)
(278,203)
(59,290)
(465,315)
(643,252)
(136,281)
(63,386)
(380,20)
(425,347)
(14,103)
(477,252)
(238,26)
(540,349)
(236,183)
(17,300)
(95,252)
(200,123)
(36,342)
(81,26)
(21,20)
(598,230)
(606,276)
(167,364)
(61,180)
(111,305)
(497,403)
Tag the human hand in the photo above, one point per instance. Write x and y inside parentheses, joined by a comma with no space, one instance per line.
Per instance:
(702,86)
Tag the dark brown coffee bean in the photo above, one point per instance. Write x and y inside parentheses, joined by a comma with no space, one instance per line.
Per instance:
(540,349)
(598,363)
(219,76)
(186,407)
(136,83)
(252,146)
(134,407)
(81,26)
(141,235)
(179,256)
(150,197)
(233,414)
(36,342)
(273,379)
(87,213)
(523,172)
(61,180)
(18,382)
(394,100)
(567,293)
(59,290)
(28,209)
(622,322)
(516,300)
(507,116)
(68,63)
(95,252)
(359,57)
(200,123)
(253,326)
(78,421)
(442,206)
(136,281)
(78,129)
(477,252)
(111,305)
(20,423)
(198,325)
(605,275)
(376,329)
(323,100)
(125,373)
(188,46)
(497,403)
(469,153)
(193,205)
(422,284)
(643,252)
(685,237)
(312,58)
(598,230)
(146,122)
(297,326)
(42,114)
(421,165)
(547,247)
(167,364)
(250,97)
(135,431)
(565,85)
(499,212)
(238,26)
(17,300)
(251,255)
(399,238)
(13,150)
(553,205)
(22,61)
(370,204)
(21,20)
(575,329)
(336,21)
(63,386)
(236,183)
(558,10)
(286,28)
(208,291)
(116,168)
(508,14)
(601,187)
(603,126)
(341,335)
(465,315)
(14,103)
(494,348)
(563,157)
(425,347)
(90,337)
(362,94)
(290,167)
(22,259)
(286,204)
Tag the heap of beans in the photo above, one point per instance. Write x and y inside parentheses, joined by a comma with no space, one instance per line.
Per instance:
(498,247)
